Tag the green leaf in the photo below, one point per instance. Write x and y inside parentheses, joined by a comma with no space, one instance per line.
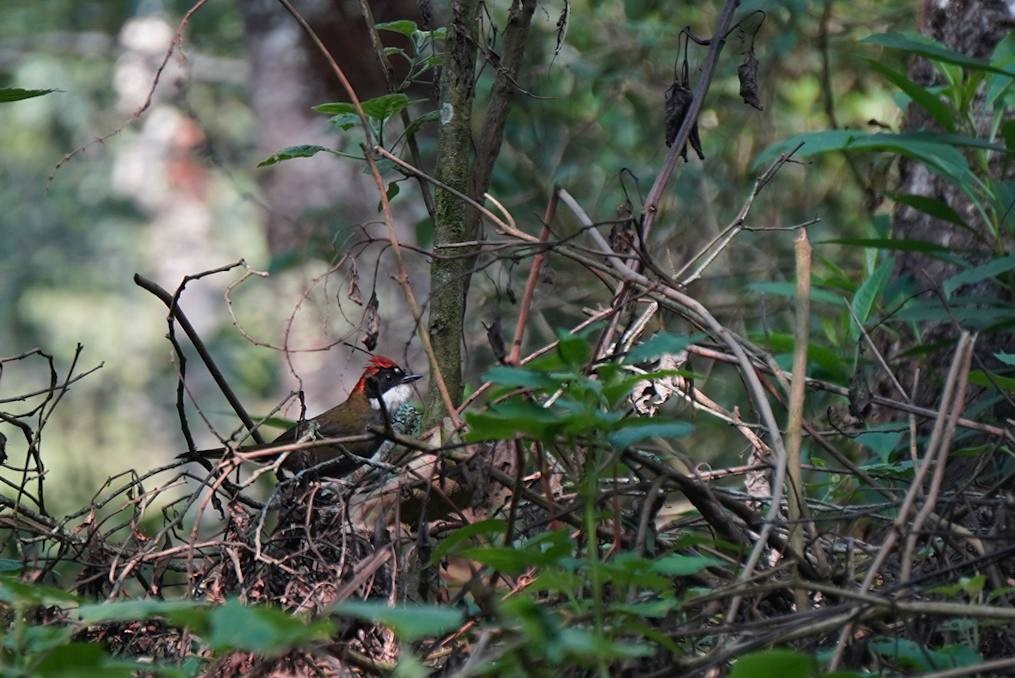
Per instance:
(937,151)
(384,106)
(518,377)
(646,427)
(656,346)
(932,206)
(1006,358)
(868,293)
(914,43)
(79,660)
(188,613)
(492,526)
(305,151)
(679,565)
(344,121)
(9,94)
(924,659)
(409,622)
(265,630)
(928,101)
(8,565)
(574,350)
(896,244)
(430,116)
(990,380)
(16,592)
(990,269)
(788,290)
(403,26)
(774,664)
(506,420)
(336,108)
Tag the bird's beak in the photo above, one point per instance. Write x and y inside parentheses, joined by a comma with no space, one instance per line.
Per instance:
(410,377)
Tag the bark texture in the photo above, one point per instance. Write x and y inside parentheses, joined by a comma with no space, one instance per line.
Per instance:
(467,167)
(972,27)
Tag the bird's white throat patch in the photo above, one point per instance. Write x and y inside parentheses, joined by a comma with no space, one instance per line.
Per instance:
(393,397)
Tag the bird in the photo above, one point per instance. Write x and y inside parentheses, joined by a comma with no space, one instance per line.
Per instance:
(382,391)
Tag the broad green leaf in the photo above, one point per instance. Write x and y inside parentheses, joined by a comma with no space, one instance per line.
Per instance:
(188,613)
(483,527)
(657,345)
(384,106)
(868,293)
(9,94)
(305,151)
(990,380)
(1006,358)
(924,659)
(574,350)
(774,664)
(977,273)
(914,43)
(8,565)
(335,108)
(937,151)
(679,565)
(80,660)
(265,630)
(13,591)
(932,206)
(657,608)
(928,101)
(403,26)
(506,420)
(641,428)
(518,377)
(344,121)
(409,622)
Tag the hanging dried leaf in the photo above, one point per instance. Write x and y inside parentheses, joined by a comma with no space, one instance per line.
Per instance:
(371,324)
(748,74)
(354,293)
(496,341)
(861,402)
(678,101)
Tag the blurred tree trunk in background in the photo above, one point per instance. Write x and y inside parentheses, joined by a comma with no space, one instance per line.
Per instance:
(287,77)
(313,203)
(973,28)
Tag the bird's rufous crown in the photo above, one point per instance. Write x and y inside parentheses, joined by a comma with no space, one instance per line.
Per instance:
(373,368)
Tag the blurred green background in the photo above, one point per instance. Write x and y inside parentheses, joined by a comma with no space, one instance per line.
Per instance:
(177,191)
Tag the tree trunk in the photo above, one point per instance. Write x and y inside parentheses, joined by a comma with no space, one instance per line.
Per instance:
(973,28)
